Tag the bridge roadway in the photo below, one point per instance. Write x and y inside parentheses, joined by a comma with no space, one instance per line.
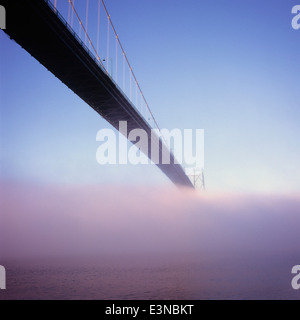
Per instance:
(36,27)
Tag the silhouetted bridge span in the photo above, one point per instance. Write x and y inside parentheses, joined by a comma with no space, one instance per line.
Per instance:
(38,27)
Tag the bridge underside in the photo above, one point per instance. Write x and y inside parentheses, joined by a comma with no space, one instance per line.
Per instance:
(37,28)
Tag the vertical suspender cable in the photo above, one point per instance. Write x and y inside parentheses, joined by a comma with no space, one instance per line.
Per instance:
(72,16)
(136,105)
(116,60)
(69,12)
(107,60)
(130,84)
(98,27)
(86,20)
(80,27)
(123,72)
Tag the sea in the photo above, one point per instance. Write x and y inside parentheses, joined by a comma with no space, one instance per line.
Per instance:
(185,276)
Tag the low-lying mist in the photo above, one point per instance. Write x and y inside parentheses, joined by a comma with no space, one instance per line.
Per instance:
(94,220)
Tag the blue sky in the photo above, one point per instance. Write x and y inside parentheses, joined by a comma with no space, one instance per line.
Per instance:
(229,67)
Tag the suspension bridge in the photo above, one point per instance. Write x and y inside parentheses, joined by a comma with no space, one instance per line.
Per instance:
(97,69)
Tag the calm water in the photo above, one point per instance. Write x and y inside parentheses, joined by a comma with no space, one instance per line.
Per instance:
(237,276)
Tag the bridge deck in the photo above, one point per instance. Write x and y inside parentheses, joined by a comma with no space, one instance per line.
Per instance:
(38,29)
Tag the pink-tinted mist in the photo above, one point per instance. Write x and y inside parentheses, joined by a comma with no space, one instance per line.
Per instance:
(93,220)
